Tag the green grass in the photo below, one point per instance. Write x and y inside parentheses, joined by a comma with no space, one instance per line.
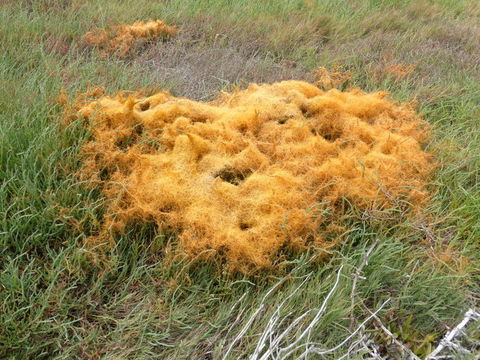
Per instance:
(138,303)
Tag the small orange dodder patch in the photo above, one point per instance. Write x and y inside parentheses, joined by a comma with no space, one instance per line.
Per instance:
(120,39)
(335,78)
(400,71)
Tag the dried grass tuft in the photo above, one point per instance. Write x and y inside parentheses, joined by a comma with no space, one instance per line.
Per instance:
(122,38)
(256,172)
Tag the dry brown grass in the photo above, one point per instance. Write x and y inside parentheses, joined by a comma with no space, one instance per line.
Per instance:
(196,66)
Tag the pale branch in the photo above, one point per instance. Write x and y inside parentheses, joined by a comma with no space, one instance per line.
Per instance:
(390,335)
(327,351)
(450,336)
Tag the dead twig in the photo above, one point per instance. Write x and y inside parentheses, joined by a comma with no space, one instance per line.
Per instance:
(447,341)
(410,353)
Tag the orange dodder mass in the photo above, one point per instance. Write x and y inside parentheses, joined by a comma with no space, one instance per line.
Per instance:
(256,172)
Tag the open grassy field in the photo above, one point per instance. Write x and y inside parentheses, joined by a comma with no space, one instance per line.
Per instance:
(137,301)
